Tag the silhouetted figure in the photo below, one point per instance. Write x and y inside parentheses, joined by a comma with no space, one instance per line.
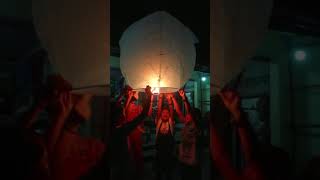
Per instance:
(119,157)
(252,170)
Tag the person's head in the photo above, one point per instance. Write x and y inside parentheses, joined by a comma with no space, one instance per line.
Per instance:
(165,114)
(82,106)
(126,89)
(135,96)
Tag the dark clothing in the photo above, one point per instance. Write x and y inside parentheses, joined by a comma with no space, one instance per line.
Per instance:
(190,168)
(120,160)
(119,156)
(75,156)
(190,172)
(165,159)
(100,171)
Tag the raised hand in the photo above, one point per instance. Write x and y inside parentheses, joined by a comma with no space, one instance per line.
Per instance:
(64,105)
(130,93)
(232,103)
(169,98)
(182,94)
(126,90)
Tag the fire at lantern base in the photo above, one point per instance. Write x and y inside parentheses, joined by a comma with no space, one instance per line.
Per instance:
(159,90)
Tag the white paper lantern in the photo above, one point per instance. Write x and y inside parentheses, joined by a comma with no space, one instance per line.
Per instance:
(159,51)
(76,35)
(237,28)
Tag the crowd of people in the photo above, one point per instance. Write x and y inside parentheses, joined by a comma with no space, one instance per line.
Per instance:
(132,163)
(61,153)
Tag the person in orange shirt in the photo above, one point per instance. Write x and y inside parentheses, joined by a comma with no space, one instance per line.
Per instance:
(132,110)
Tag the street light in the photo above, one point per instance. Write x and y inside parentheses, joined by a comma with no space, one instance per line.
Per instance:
(300,55)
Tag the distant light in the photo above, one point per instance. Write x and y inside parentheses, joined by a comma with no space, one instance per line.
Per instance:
(300,55)
(203,79)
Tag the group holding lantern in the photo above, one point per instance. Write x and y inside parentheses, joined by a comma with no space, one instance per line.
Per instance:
(167,154)
(62,153)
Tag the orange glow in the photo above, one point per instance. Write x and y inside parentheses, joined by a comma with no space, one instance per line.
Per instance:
(155,90)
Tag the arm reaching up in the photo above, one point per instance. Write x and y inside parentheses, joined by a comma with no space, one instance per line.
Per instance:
(220,157)
(129,126)
(150,108)
(253,170)
(169,98)
(128,100)
(232,103)
(160,100)
(185,100)
(64,108)
(178,110)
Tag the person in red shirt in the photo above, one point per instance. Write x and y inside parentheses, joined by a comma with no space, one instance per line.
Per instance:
(71,156)
(253,170)
(133,110)
(35,143)
(121,165)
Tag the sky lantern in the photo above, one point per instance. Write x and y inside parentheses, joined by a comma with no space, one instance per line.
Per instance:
(159,51)
(236,30)
(75,34)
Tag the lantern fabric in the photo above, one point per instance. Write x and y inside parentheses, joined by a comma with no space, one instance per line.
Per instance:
(76,36)
(236,29)
(158,51)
